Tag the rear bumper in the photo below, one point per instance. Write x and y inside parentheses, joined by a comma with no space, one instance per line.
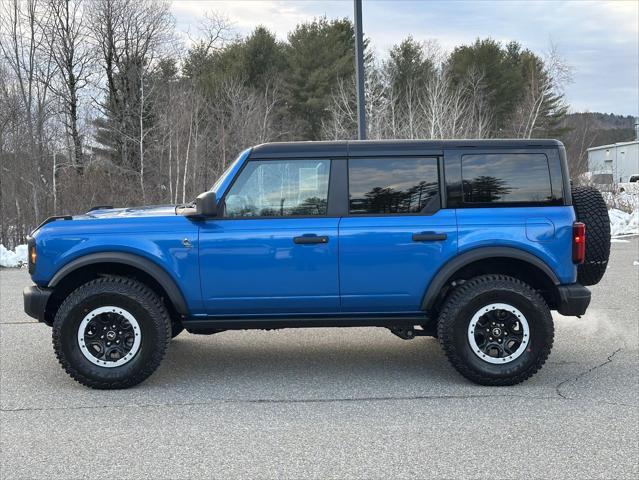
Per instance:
(35,301)
(573,299)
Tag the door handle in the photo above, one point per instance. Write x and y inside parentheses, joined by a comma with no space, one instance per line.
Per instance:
(429,237)
(310,239)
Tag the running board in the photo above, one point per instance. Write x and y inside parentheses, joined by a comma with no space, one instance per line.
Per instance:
(249,323)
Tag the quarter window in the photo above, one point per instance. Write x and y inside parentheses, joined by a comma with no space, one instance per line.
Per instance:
(392,186)
(274,188)
(506,177)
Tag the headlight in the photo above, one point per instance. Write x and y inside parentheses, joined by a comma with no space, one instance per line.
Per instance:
(31,250)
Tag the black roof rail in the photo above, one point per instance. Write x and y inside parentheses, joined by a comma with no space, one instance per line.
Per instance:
(363,148)
(100,207)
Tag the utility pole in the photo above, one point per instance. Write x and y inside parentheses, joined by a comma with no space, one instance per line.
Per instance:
(359,71)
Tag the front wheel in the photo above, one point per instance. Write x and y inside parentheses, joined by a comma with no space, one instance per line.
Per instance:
(176,328)
(496,330)
(111,332)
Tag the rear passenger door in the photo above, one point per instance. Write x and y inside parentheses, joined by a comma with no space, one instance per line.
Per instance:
(395,235)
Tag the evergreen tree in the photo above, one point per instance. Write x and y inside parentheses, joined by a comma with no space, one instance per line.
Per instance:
(523,94)
(500,70)
(319,54)
(407,67)
(262,58)
(255,61)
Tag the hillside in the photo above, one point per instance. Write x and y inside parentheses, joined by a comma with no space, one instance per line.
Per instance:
(590,129)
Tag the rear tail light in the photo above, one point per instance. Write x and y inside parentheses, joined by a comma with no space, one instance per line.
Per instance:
(578,242)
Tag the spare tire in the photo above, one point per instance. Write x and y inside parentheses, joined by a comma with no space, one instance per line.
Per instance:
(591,210)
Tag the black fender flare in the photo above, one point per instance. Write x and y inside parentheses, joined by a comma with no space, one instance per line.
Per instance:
(147,266)
(444,273)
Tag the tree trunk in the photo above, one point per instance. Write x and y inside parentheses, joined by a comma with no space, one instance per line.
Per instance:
(141,119)
(186,160)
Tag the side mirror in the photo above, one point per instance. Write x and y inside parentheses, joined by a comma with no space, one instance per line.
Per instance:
(206,204)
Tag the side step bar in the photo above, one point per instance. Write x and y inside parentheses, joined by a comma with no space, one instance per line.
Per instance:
(248,323)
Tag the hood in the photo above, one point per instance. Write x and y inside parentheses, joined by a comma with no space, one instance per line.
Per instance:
(100,219)
(150,211)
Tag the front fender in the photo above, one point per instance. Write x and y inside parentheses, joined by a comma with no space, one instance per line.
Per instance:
(154,270)
(167,248)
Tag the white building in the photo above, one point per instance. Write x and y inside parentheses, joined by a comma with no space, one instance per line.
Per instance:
(614,163)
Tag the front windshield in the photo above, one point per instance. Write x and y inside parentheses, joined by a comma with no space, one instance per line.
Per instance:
(222,177)
(220,181)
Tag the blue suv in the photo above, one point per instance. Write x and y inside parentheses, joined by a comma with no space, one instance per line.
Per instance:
(472,242)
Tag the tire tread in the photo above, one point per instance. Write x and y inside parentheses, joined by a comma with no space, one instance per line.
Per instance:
(118,285)
(590,209)
(460,297)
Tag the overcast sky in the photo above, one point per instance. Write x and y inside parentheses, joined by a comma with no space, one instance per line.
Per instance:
(599,39)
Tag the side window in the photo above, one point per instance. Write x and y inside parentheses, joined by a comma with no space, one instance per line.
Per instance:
(280,188)
(390,185)
(506,177)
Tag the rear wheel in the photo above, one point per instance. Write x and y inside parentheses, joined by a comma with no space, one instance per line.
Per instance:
(590,209)
(111,332)
(496,330)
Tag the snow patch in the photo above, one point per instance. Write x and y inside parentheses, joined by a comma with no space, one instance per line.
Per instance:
(622,223)
(15,258)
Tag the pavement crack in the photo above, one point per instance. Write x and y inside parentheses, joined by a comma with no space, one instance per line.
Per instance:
(584,373)
(266,401)
(283,401)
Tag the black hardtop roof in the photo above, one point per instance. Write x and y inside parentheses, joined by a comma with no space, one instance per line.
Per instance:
(345,148)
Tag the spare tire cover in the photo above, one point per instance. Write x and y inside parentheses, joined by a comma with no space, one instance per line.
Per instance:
(590,209)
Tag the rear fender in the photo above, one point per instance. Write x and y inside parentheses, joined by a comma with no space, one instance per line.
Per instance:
(449,269)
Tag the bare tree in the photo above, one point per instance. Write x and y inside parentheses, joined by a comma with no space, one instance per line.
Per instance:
(436,108)
(432,106)
(214,30)
(480,109)
(581,135)
(67,37)
(21,46)
(543,95)
(130,36)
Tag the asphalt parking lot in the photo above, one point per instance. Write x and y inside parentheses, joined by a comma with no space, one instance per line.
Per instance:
(330,403)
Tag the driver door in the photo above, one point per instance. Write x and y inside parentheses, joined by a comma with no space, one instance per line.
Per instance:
(274,250)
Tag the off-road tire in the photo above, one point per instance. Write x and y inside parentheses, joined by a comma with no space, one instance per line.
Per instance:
(591,210)
(135,297)
(176,328)
(470,297)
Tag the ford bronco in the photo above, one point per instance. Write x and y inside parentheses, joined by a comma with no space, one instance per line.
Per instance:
(471,242)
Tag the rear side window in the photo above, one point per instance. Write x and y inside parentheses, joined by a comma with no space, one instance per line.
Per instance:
(506,177)
(392,186)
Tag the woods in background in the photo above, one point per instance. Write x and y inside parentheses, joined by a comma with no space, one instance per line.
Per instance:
(102,103)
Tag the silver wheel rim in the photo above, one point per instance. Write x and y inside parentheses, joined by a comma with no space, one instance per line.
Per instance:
(127,353)
(493,332)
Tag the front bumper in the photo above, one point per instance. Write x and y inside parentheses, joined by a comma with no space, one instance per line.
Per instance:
(573,299)
(35,301)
